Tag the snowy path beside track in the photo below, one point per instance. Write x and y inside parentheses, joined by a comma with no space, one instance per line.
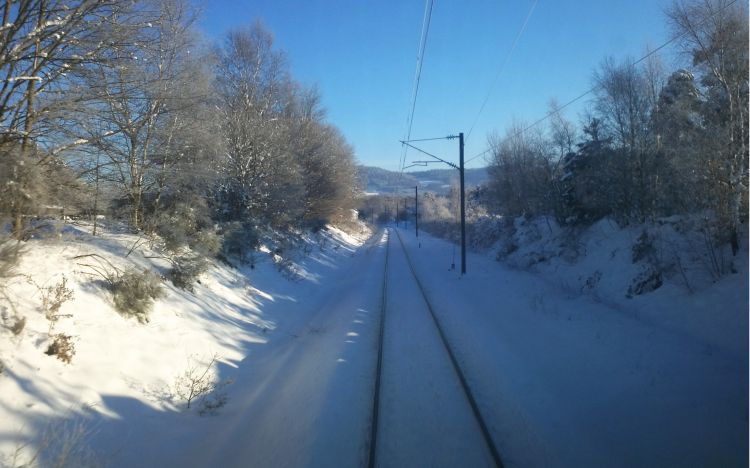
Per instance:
(307,402)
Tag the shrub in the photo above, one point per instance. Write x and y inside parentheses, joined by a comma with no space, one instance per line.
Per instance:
(206,242)
(186,270)
(644,248)
(647,280)
(62,347)
(716,255)
(288,269)
(239,239)
(187,224)
(211,404)
(10,254)
(53,297)
(134,293)
(506,248)
(63,442)
(18,325)
(198,383)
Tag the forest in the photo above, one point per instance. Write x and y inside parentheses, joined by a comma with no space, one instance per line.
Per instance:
(121,110)
(652,142)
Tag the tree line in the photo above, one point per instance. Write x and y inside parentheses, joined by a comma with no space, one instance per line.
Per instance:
(651,143)
(120,107)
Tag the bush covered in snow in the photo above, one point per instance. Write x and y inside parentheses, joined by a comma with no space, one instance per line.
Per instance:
(134,292)
(186,269)
(53,297)
(239,240)
(187,225)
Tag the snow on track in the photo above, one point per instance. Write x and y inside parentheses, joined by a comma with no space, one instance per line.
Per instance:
(425,418)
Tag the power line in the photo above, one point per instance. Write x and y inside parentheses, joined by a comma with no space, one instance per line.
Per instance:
(502,66)
(593,88)
(477,155)
(417,76)
(439,159)
(423,139)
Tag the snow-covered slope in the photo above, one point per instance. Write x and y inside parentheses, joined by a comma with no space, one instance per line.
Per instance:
(664,272)
(573,377)
(122,369)
(566,366)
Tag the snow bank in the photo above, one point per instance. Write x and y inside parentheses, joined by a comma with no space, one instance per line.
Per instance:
(669,272)
(123,367)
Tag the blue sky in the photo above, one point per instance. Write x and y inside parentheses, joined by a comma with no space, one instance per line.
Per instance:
(362,56)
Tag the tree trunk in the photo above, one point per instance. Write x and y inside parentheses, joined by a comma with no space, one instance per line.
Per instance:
(18,219)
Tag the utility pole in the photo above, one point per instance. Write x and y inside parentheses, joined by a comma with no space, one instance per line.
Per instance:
(406,214)
(416,209)
(460,169)
(463,202)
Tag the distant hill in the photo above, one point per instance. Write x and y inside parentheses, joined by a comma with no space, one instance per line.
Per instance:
(378,180)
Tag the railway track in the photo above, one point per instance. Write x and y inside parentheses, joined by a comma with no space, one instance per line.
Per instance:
(378,428)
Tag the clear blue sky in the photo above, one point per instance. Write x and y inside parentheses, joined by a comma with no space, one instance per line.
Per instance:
(362,55)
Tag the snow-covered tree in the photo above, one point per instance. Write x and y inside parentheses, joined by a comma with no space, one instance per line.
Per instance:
(44,44)
(262,179)
(143,93)
(520,172)
(714,33)
(326,160)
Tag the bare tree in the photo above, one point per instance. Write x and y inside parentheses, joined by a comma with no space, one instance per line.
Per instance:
(520,172)
(263,178)
(43,43)
(563,132)
(141,89)
(624,103)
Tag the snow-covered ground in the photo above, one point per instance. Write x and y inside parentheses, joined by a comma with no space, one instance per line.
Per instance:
(424,418)
(569,378)
(116,401)
(609,263)
(564,375)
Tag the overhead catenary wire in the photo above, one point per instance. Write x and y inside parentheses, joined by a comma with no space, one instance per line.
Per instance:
(417,77)
(594,88)
(503,64)
(478,155)
(424,139)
